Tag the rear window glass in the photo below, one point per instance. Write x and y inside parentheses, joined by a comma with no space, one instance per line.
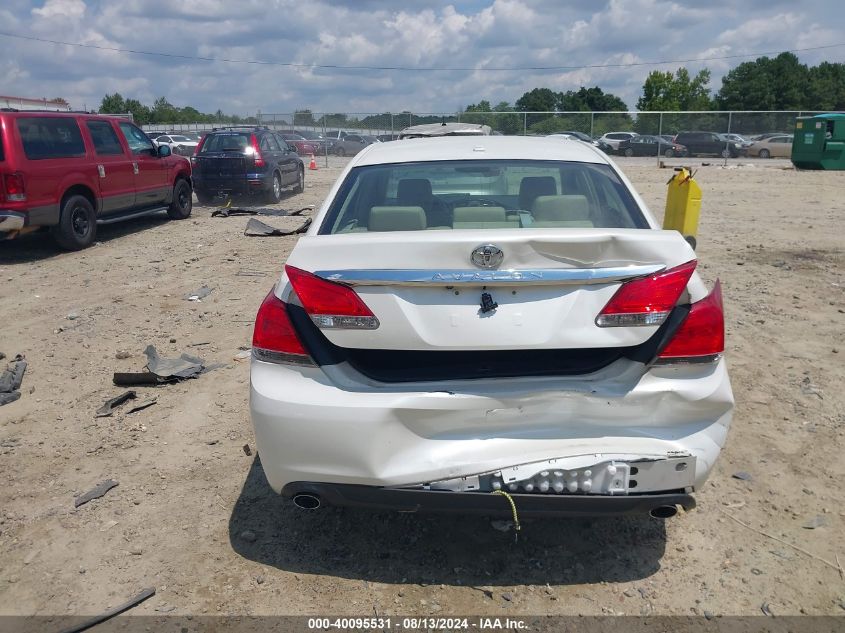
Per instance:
(235,142)
(484,194)
(48,137)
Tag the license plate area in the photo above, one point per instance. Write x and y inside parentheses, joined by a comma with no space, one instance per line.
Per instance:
(586,474)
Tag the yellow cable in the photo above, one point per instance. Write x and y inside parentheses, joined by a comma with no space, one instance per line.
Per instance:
(517,527)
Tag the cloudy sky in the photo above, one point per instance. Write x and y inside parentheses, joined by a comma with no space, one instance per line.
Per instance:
(471,34)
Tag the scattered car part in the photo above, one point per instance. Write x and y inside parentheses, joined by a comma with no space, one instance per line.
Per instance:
(142,405)
(96,492)
(198,294)
(11,379)
(109,406)
(257,228)
(186,366)
(99,619)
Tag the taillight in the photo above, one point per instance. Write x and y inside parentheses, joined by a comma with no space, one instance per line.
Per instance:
(329,304)
(274,338)
(197,150)
(701,337)
(14,186)
(646,301)
(256,155)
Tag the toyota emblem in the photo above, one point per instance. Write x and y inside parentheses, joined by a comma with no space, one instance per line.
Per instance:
(487,256)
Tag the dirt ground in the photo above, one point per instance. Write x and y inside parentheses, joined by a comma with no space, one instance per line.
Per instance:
(193,516)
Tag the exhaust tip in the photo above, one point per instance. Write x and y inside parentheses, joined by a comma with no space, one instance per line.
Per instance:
(306,501)
(663,512)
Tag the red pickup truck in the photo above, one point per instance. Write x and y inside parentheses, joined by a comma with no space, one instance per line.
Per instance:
(73,171)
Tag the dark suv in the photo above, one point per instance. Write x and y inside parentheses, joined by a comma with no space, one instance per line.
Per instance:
(245,161)
(707,143)
(72,171)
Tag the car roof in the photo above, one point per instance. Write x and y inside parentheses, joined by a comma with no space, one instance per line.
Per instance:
(478,148)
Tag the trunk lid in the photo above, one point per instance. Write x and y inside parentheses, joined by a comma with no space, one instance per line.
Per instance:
(550,286)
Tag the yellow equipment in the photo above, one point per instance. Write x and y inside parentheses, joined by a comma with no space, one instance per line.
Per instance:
(683,205)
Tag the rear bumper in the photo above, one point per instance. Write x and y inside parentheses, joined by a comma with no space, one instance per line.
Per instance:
(308,429)
(11,221)
(407,500)
(241,185)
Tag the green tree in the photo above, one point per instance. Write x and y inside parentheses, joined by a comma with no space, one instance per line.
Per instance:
(140,112)
(113,104)
(665,91)
(765,84)
(826,87)
(589,100)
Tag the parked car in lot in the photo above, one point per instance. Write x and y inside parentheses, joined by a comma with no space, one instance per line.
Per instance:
(614,138)
(320,142)
(586,138)
(771,147)
(736,138)
(178,143)
(648,145)
(250,160)
(302,146)
(71,172)
(351,144)
(707,143)
(473,315)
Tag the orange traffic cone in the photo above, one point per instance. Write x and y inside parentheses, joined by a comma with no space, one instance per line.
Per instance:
(313,163)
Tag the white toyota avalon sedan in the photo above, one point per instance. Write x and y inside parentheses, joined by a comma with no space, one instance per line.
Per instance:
(469,319)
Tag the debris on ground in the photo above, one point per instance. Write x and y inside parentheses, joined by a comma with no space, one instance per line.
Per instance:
(164,370)
(816,522)
(247,450)
(142,405)
(110,405)
(742,475)
(95,493)
(199,294)
(11,379)
(99,619)
(225,212)
(809,389)
(257,228)
(242,355)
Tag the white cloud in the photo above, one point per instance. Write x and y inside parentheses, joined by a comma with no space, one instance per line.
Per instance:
(434,33)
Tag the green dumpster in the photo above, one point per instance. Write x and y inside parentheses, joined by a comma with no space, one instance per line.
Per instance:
(819,142)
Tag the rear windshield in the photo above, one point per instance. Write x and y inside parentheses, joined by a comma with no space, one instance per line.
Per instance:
(49,137)
(484,194)
(227,142)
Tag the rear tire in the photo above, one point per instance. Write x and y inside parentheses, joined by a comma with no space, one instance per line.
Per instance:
(77,225)
(764,153)
(300,181)
(182,203)
(274,196)
(340,151)
(629,152)
(726,153)
(669,153)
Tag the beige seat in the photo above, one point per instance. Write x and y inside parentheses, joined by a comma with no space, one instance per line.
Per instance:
(396,219)
(531,187)
(561,211)
(482,218)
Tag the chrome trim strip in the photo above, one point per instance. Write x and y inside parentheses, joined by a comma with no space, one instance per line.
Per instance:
(460,277)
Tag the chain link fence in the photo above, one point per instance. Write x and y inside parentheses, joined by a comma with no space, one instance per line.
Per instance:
(526,123)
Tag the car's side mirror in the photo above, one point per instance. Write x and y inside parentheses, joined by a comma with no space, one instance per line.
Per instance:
(164,151)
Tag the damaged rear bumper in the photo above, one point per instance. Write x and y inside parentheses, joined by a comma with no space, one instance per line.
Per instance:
(528,505)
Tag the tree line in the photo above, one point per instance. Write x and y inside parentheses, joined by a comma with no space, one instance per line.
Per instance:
(778,83)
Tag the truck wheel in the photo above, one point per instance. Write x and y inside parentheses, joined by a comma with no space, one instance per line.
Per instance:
(764,153)
(629,152)
(182,203)
(300,181)
(275,194)
(77,225)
